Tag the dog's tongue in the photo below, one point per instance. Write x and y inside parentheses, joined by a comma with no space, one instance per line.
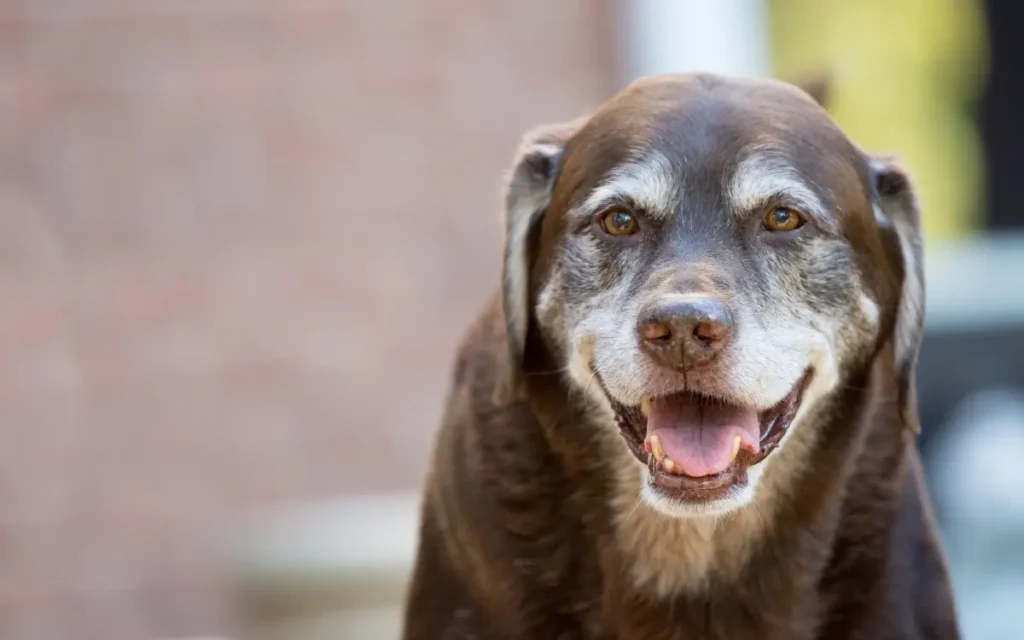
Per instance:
(699,435)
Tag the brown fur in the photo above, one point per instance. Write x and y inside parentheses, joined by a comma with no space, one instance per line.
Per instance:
(532,526)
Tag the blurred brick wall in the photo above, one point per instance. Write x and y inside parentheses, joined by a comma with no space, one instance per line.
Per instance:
(238,241)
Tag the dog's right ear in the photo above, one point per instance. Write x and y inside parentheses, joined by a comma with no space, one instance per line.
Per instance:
(530,182)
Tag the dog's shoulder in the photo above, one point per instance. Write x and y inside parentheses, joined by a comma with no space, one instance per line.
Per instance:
(925,572)
(496,532)
(491,429)
(454,575)
(888,571)
(481,357)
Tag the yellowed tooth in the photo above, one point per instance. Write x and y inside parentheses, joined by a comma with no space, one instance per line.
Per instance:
(645,407)
(668,465)
(659,453)
(735,448)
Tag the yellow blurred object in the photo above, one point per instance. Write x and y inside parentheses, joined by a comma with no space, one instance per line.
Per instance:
(906,74)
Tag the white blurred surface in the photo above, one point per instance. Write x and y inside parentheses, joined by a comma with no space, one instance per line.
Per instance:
(976,283)
(977,477)
(335,569)
(719,36)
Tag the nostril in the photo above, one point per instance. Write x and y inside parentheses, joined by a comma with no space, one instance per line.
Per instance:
(656,331)
(710,332)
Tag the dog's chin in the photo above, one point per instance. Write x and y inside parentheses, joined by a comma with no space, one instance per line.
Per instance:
(710,476)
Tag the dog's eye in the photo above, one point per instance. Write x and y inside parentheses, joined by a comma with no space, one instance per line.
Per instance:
(617,222)
(783,219)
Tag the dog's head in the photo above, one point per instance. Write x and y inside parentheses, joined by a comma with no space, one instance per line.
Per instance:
(708,258)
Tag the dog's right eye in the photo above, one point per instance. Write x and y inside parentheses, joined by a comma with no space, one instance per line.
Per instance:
(617,222)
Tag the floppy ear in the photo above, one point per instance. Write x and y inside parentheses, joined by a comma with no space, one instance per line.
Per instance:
(818,85)
(526,197)
(898,211)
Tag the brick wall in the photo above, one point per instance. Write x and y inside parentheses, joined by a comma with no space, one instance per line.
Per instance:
(238,241)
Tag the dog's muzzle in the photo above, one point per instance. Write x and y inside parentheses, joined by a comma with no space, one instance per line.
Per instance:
(696,446)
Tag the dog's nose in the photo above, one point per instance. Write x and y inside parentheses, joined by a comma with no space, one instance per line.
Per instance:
(685,331)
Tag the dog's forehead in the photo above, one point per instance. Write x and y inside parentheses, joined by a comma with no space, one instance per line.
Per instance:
(703,127)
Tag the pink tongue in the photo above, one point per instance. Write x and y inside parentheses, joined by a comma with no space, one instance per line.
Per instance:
(699,435)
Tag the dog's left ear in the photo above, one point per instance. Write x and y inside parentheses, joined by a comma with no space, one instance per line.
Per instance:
(899,214)
(818,85)
(527,195)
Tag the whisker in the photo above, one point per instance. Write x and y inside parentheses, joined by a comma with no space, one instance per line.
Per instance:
(549,373)
(635,507)
(597,366)
(760,512)
(721,523)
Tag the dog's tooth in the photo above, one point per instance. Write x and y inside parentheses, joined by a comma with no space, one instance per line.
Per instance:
(645,407)
(668,465)
(735,448)
(656,449)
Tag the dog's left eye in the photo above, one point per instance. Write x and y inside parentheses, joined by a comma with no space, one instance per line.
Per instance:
(783,219)
(618,223)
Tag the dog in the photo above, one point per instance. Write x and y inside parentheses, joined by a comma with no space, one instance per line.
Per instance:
(691,412)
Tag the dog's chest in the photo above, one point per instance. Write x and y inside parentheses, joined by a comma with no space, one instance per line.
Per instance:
(703,619)
(696,583)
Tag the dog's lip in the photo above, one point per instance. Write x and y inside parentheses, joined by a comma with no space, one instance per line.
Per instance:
(775,422)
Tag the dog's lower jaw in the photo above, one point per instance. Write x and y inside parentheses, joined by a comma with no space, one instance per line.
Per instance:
(737,498)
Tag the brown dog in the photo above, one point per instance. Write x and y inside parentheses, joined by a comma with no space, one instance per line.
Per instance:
(692,413)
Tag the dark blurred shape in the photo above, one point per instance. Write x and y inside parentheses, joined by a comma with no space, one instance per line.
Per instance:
(1001,123)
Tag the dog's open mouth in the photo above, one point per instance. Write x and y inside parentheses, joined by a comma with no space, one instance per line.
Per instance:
(697,447)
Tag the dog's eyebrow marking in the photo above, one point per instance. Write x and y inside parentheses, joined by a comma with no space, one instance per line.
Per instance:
(649,183)
(760,177)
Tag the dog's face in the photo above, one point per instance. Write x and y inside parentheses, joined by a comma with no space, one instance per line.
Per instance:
(709,258)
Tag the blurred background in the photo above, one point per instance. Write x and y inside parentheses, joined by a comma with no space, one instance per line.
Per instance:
(239,240)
